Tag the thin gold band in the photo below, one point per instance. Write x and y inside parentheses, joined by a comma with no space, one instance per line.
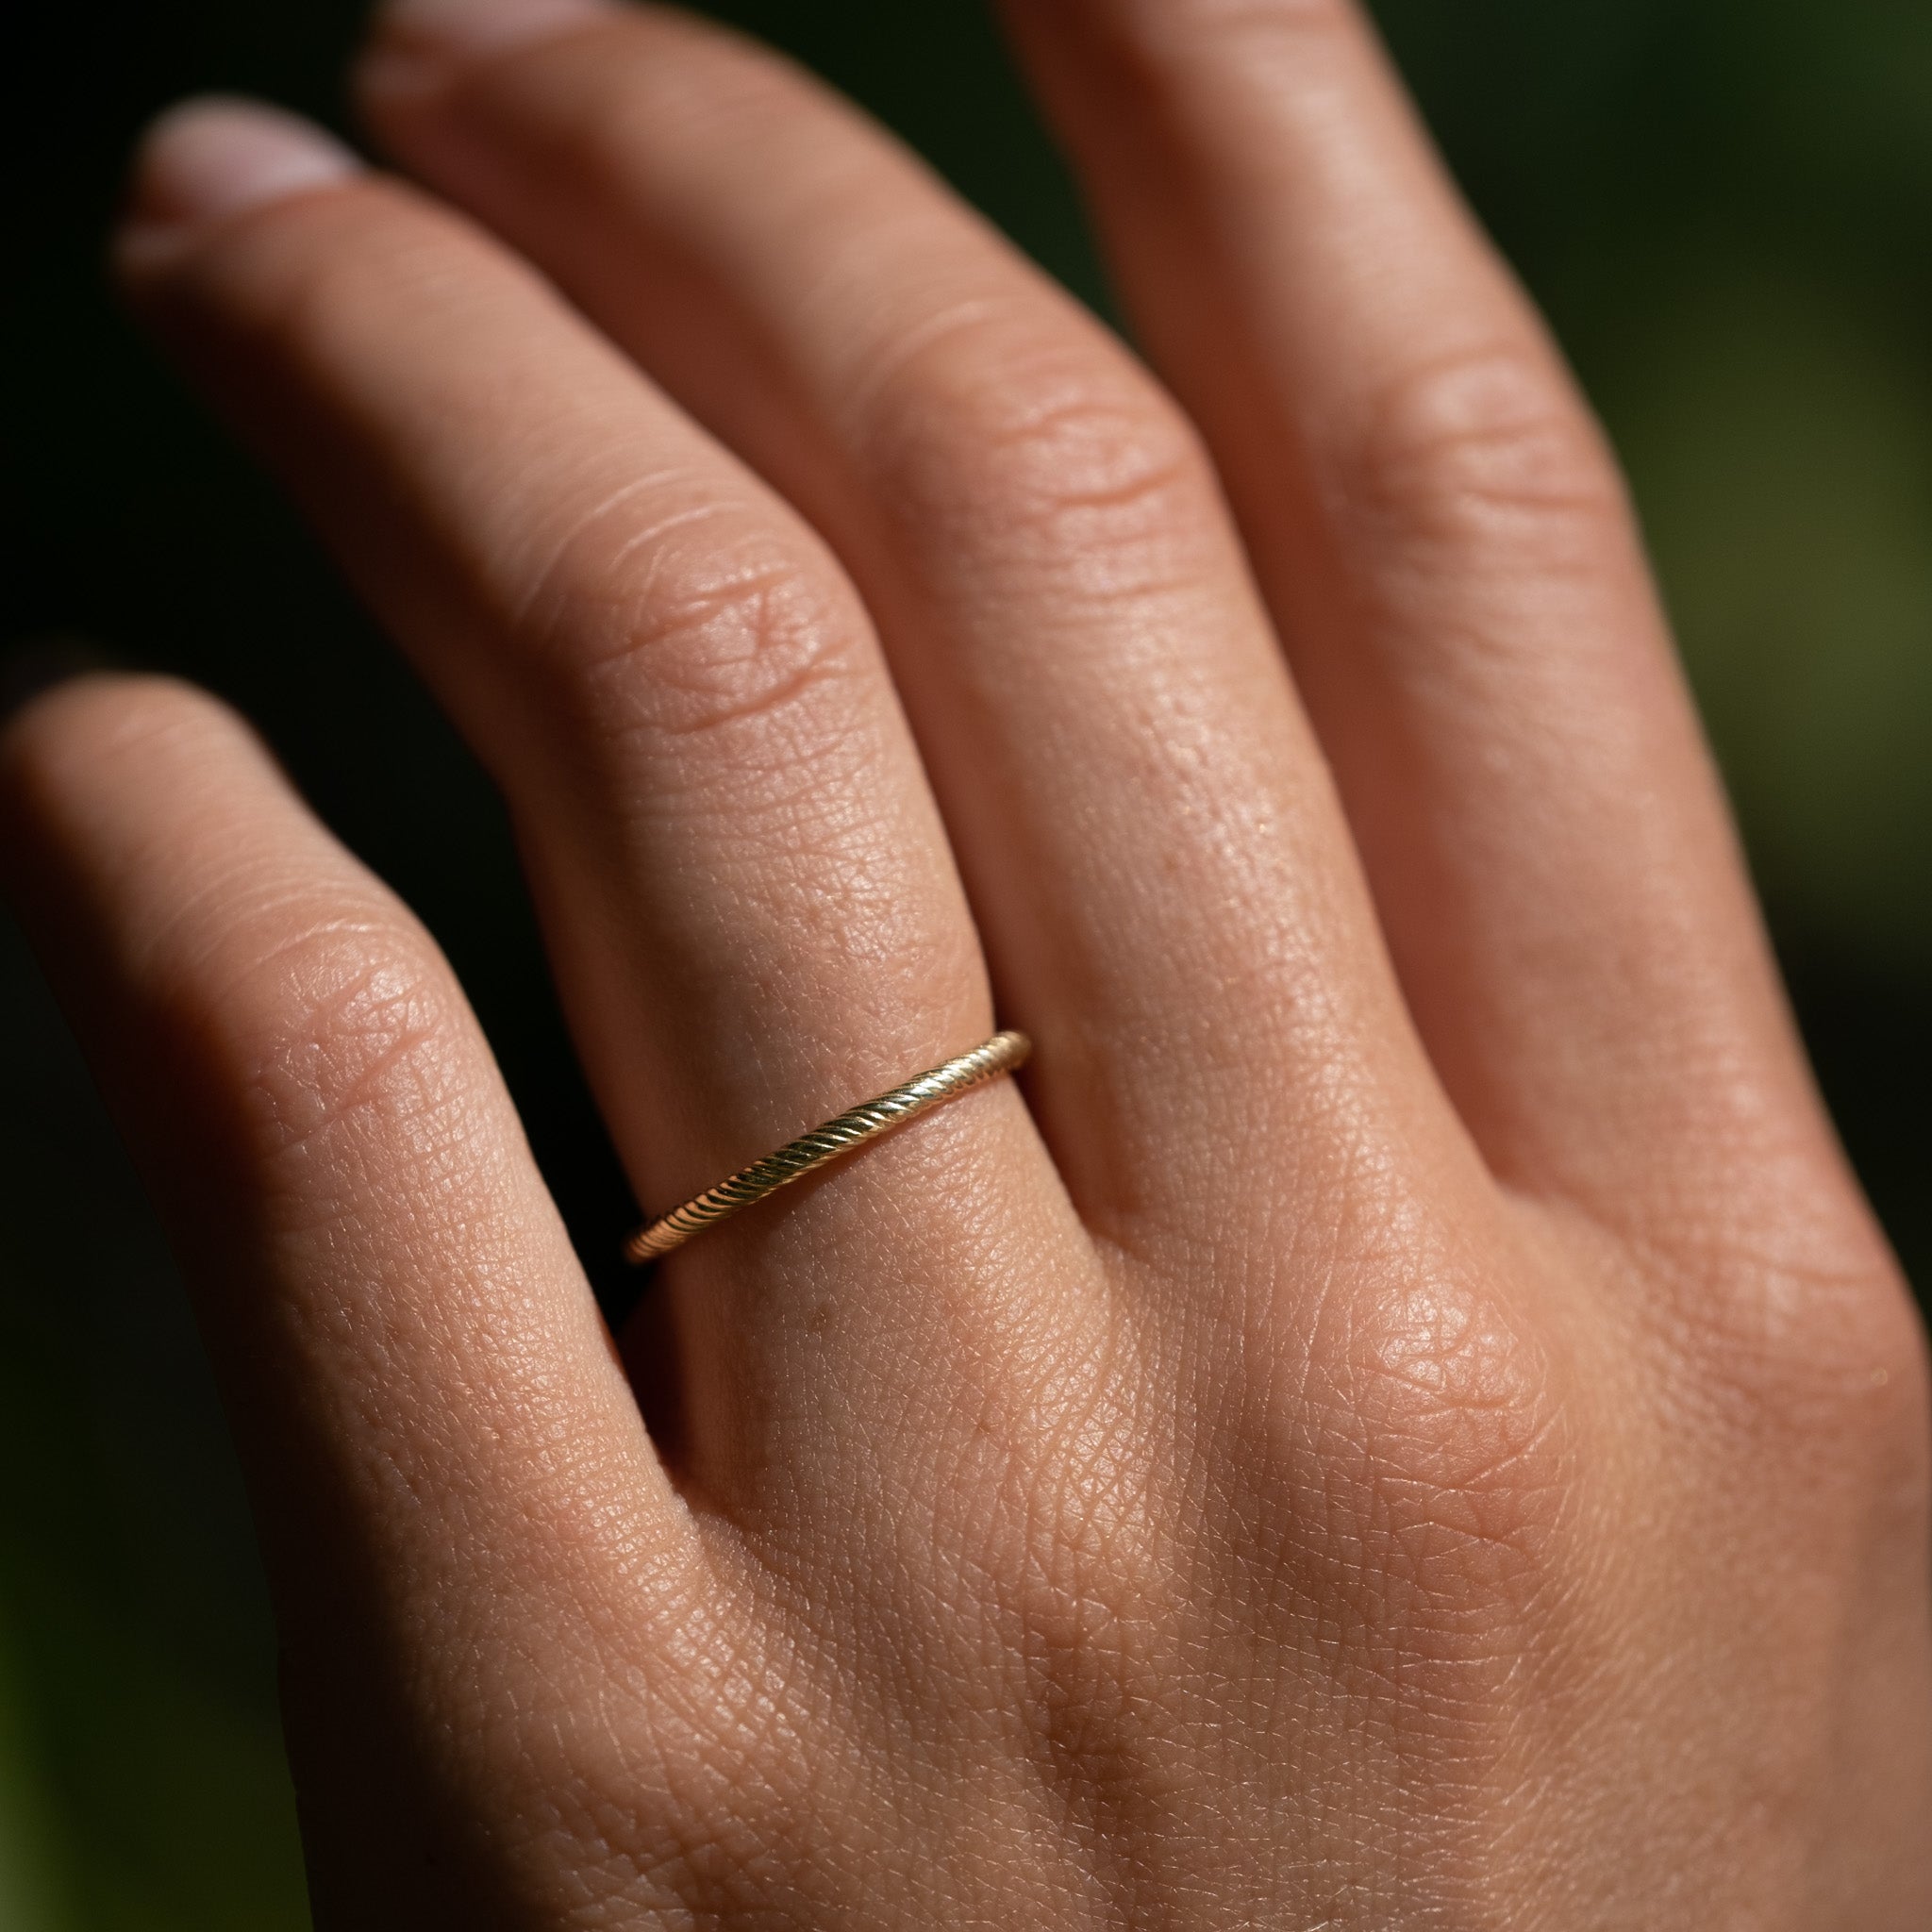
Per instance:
(1005,1053)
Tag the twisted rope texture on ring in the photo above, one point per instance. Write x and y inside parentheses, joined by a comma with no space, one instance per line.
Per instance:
(1003,1054)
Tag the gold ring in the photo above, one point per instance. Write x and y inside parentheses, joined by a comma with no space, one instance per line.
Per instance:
(1005,1053)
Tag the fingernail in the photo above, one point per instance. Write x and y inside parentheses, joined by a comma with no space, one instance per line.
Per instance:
(207,159)
(456,29)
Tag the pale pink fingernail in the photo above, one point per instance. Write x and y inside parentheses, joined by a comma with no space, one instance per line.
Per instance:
(209,159)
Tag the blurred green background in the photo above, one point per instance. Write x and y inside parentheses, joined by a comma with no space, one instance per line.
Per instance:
(1727,206)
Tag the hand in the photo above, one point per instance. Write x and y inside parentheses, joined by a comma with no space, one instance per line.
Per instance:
(1405,1421)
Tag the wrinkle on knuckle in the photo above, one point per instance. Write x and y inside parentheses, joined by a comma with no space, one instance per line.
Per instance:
(1457,1414)
(998,437)
(1483,449)
(344,1029)
(1454,1473)
(699,625)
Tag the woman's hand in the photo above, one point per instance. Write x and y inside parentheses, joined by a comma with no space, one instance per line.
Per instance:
(1406,1421)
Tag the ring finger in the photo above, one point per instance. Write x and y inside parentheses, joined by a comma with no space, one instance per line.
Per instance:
(744,883)
(1153,850)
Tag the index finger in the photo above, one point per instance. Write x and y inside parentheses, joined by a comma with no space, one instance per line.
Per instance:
(457,1500)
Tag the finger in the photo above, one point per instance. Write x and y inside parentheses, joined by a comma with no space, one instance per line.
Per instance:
(1151,844)
(456,1498)
(744,882)
(1448,551)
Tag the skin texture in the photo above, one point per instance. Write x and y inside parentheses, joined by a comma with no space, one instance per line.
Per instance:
(1400,1420)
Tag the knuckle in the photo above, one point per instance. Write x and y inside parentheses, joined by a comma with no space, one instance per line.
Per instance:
(1465,1440)
(695,625)
(1810,1347)
(342,1027)
(1481,448)
(1449,1472)
(675,602)
(998,434)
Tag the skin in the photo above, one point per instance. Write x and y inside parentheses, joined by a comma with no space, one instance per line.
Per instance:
(1400,1419)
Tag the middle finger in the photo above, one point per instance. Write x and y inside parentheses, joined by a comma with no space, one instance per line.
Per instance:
(1148,833)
